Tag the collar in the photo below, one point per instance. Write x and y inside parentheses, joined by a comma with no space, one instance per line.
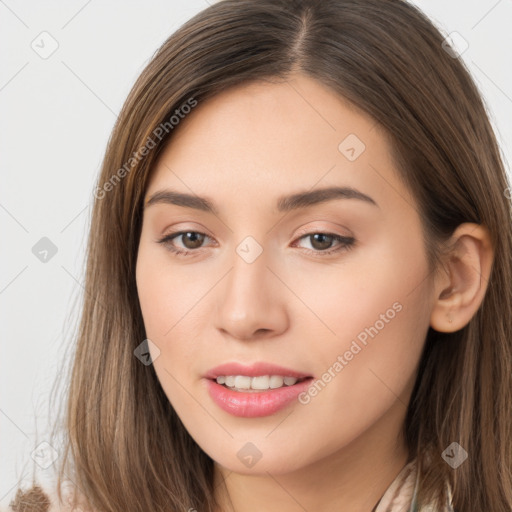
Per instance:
(401,495)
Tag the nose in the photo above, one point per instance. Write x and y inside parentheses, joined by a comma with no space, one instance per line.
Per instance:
(251,301)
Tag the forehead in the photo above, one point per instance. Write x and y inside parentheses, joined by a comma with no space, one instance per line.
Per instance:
(273,114)
(275,137)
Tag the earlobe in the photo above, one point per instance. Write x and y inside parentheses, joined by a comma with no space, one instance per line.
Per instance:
(460,286)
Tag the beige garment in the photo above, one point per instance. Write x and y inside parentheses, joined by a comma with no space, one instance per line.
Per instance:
(401,494)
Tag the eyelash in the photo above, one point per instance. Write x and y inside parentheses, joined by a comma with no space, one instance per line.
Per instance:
(347,243)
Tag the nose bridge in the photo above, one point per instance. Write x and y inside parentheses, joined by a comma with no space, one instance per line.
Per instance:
(246,288)
(250,300)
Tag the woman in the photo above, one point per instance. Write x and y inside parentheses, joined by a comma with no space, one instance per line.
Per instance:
(297,292)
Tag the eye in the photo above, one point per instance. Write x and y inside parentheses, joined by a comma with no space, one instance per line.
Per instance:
(320,241)
(191,240)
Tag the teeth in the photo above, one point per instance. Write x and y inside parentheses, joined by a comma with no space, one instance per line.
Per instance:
(276,381)
(242,382)
(262,382)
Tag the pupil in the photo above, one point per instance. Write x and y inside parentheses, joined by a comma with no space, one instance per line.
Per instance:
(195,238)
(325,244)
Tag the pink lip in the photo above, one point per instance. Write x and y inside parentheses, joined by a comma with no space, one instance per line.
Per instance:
(253,405)
(259,403)
(253,371)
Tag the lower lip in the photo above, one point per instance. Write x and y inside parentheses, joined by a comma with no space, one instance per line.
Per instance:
(255,404)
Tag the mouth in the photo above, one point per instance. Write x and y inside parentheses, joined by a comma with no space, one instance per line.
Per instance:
(257,384)
(259,390)
(256,390)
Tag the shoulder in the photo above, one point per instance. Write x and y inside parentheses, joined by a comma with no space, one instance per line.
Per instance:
(44,498)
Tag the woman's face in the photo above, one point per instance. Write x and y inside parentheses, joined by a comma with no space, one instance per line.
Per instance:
(332,287)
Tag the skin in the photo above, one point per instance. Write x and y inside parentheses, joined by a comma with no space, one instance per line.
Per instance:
(243,150)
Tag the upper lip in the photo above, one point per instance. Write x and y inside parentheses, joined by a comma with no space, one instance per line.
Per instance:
(253,370)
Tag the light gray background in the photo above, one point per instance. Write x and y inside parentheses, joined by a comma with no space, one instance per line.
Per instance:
(56,116)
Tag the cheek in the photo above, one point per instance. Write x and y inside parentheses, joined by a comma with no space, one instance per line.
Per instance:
(167,304)
(361,294)
(166,294)
(172,301)
(366,379)
(154,302)
(380,314)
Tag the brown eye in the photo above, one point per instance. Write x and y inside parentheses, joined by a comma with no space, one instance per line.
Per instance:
(192,239)
(321,241)
(184,242)
(325,244)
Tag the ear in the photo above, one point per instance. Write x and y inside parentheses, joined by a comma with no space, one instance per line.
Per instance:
(461,284)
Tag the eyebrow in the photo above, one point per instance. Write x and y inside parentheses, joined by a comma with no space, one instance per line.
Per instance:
(284,203)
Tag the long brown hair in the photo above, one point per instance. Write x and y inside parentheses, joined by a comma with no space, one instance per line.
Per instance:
(125,447)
